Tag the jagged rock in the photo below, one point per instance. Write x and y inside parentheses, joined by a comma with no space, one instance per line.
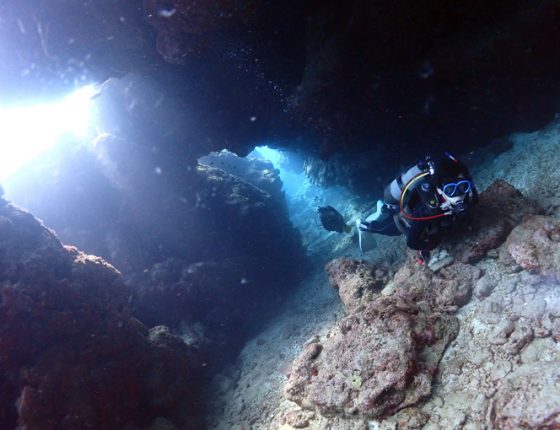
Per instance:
(500,209)
(223,234)
(405,80)
(447,289)
(535,245)
(261,174)
(356,281)
(71,355)
(528,398)
(382,360)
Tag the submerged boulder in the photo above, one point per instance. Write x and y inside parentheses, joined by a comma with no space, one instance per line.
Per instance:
(535,245)
(500,209)
(380,360)
(447,289)
(71,354)
(528,398)
(356,281)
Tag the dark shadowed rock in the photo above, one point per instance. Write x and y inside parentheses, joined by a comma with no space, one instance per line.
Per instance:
(342,74)
(187,29)
(238,243)
(381,360)
(211,249)
(71,354)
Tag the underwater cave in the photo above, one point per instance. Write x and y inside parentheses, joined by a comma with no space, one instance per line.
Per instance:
(279,215)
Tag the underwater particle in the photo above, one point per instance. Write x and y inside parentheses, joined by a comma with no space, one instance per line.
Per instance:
(21,26)
(253,119)
(244,281)
(167,13)
(158,170)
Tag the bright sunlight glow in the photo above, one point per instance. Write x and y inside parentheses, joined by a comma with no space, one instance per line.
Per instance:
(28,132)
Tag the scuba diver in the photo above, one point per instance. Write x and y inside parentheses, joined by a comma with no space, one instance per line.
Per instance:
(422,203)
(332,220)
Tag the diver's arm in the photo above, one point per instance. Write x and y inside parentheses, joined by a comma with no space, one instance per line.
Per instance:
(423,236)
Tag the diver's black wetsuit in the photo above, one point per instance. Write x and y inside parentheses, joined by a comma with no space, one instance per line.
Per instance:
(421,218)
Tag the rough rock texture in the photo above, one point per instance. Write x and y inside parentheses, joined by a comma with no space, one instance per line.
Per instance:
(374,365)
(260,173)
(357,282)
(501,207)
(535,246)
(421,78)
(447,289)
(185,29)
(71,354)
(528,398)
(381,360)
(236,242)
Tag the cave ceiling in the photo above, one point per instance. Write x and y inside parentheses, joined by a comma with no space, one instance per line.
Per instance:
(325,77)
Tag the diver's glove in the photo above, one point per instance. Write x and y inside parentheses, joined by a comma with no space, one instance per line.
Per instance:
(365,226)
(423,257)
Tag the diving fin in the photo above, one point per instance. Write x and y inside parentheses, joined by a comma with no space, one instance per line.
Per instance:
(365,239)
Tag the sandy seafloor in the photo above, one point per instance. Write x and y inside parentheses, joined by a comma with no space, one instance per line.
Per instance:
(249,395)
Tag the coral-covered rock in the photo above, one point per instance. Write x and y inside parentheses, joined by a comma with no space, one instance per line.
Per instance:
(500,209)
(71,354)
(447,289)
(528,398)
(381,360)
(357,282)
(535,245)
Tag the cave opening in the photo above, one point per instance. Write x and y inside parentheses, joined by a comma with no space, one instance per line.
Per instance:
(303,198)
(33,132)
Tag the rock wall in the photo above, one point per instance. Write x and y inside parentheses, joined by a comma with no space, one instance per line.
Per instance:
(207,252)
(72,355)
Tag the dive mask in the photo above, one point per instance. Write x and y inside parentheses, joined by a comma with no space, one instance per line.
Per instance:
(453,202)
(460,188)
